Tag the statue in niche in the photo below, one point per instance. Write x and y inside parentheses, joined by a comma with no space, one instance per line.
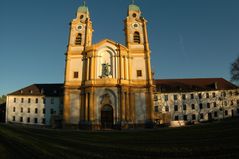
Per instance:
(106,70)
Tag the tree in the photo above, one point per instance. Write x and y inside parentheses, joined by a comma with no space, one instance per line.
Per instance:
(2,99)
(235,70)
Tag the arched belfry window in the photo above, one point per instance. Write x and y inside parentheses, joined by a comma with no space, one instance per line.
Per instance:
(136,37)
(78,39)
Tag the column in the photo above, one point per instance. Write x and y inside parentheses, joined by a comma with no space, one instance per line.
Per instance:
(66,106)
(123,105)
(125,75)
(88,68)
(86,106)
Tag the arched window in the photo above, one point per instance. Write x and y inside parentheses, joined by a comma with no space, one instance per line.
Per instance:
(136,37)
(78,39)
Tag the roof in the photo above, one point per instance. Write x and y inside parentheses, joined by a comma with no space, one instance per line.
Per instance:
(134,7)
(83,9)
(194,84)
(41,90)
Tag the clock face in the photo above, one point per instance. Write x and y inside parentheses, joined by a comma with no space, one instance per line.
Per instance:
(79,27)
(135,25)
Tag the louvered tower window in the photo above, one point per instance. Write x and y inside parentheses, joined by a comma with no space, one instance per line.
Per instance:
(136,37)
(78,39)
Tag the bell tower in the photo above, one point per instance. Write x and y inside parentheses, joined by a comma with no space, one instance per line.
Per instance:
(137,42)
(136,36)
(80,37)
(81,30)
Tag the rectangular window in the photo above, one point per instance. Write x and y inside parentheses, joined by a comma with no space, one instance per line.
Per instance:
(36,110)
(200,96)
(21,119)
(193,117)
(35,120)
(237,102)
(207,95)
(15,100)
(185,117)
(184,107)
(76,74)
(226,112)
(200,106)
(139,73)
(192,96)
(21,109)
(36,100)
(52,100)
(232,103)
(214,104)
(29,100)
(175,107)
(28,120)
(167,108)
(208,105)
(166,97)
(13,118)
(52,111)
(176,117)
(193,106)
(201,116)
(156,108)
(223,94)
(14,109)
(213,94)
(28,110)
(175,97)
(215,114)
(44,111)
(43,121)
(22,100)
(183,96)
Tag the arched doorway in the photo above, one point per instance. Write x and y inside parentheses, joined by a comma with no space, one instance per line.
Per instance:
(107,117)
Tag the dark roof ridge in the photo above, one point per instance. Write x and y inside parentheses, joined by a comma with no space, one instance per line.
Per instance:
(48,89)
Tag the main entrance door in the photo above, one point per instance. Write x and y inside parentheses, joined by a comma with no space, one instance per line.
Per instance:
(107,117)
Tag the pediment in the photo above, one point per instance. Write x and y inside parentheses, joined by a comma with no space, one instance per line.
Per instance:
(110,44)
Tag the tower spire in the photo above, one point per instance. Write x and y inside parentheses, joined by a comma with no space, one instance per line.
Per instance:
(132,1)
(84,3)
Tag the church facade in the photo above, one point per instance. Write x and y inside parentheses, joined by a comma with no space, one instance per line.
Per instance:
(108,84)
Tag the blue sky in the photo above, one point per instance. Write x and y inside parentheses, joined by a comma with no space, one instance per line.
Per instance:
(188,38)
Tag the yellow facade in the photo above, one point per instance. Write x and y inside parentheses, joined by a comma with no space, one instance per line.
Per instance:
(108,84)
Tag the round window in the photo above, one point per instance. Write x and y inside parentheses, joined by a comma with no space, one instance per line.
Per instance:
(134,15)
(80,27)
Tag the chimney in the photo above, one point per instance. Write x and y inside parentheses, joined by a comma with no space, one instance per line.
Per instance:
(215,85)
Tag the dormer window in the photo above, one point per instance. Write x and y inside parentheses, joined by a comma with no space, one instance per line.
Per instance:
(30,91)
(78,39)
(21,91)
(136,37)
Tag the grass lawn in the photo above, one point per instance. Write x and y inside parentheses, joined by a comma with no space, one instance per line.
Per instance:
(214,140)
